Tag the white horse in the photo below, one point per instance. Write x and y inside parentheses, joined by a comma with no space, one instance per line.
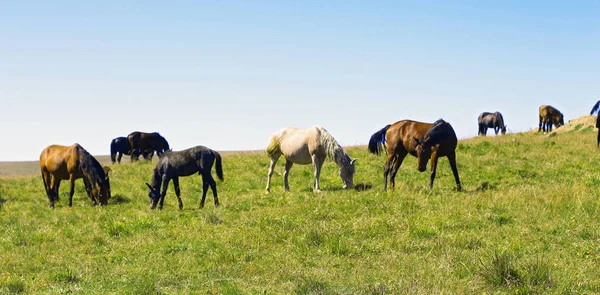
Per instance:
(308,146)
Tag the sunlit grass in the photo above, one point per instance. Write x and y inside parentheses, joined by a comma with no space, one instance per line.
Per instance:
(527,222)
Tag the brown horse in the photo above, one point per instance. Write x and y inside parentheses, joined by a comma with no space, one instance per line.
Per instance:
(58,162)
(142,141)
(422,140)
(548,116)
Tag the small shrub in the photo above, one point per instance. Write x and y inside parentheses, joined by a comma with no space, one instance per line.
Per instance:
(68,276)
(213,218)
(13,287)
(312,286)
(539,274)
(500,271)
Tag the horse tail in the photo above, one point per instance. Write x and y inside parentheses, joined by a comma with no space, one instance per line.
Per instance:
(113,151)
(219,166)
(273,146)
(378,140)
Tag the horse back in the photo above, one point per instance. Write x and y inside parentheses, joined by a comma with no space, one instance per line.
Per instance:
(401,135)
(61,160)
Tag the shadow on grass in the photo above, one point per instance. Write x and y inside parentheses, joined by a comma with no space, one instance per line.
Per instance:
(119,199)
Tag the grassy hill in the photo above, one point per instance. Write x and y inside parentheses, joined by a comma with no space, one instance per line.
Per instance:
(527,222)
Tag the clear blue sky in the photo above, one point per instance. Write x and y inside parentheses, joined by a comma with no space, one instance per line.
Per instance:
(227,74)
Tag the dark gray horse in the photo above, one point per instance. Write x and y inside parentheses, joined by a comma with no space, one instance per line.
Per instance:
(491,120)
(184,163)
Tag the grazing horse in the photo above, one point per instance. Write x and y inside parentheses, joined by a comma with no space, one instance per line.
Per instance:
(595,109)
(59,162)
(308,146)
(172,165)
(142,141)
(491,120)
(120,146)
(422,140)
(548,116)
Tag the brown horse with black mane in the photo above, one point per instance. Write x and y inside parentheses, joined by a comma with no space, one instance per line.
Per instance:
(58,162)
(422,140)
(142,141)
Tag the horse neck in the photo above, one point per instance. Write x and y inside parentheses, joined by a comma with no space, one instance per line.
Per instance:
(90,168)
(334,150)
(156,180)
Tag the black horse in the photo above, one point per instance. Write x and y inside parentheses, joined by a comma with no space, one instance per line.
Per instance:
(184,163)
(142,141)
(490,120)
(595,109)
(120,146)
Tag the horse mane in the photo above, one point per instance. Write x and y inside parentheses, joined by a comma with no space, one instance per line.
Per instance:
(333,149)
(595,108)
(156,178)
(436,133)
(500,119)
(90,167)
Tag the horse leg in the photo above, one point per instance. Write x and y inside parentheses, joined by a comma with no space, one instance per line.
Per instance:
(286,173)
(177,191)
(540,124)
(165,183)
(119,157)
(72,190)
(434,162)
(208,180)
(274,159)
(46,176)
(452,160)
(386,168)
(395,166)
(317,164)
(599,137)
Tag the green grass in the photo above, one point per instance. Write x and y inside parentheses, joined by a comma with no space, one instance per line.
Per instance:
(526,222)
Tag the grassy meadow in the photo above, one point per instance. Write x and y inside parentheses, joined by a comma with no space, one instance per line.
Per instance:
(526,222)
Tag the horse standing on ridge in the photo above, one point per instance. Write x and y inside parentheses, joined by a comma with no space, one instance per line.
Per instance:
(58,162)
(490,120)
(548,116)
(421,140)
(308,146)
(172,165)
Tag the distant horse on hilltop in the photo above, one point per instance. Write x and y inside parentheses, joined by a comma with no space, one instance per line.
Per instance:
(172,165)
(491,120)
(59,162)
(548,116)
(120,146)
(142,141)
(421,140)
(308,146)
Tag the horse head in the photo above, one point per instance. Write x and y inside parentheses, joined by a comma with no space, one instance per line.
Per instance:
(561,119)
(153,195)
(503,129)
(347,174)
(105,193)
(423,149)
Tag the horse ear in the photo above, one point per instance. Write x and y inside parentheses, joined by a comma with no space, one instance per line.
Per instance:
(417,140)
(149,186)
(352,162)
